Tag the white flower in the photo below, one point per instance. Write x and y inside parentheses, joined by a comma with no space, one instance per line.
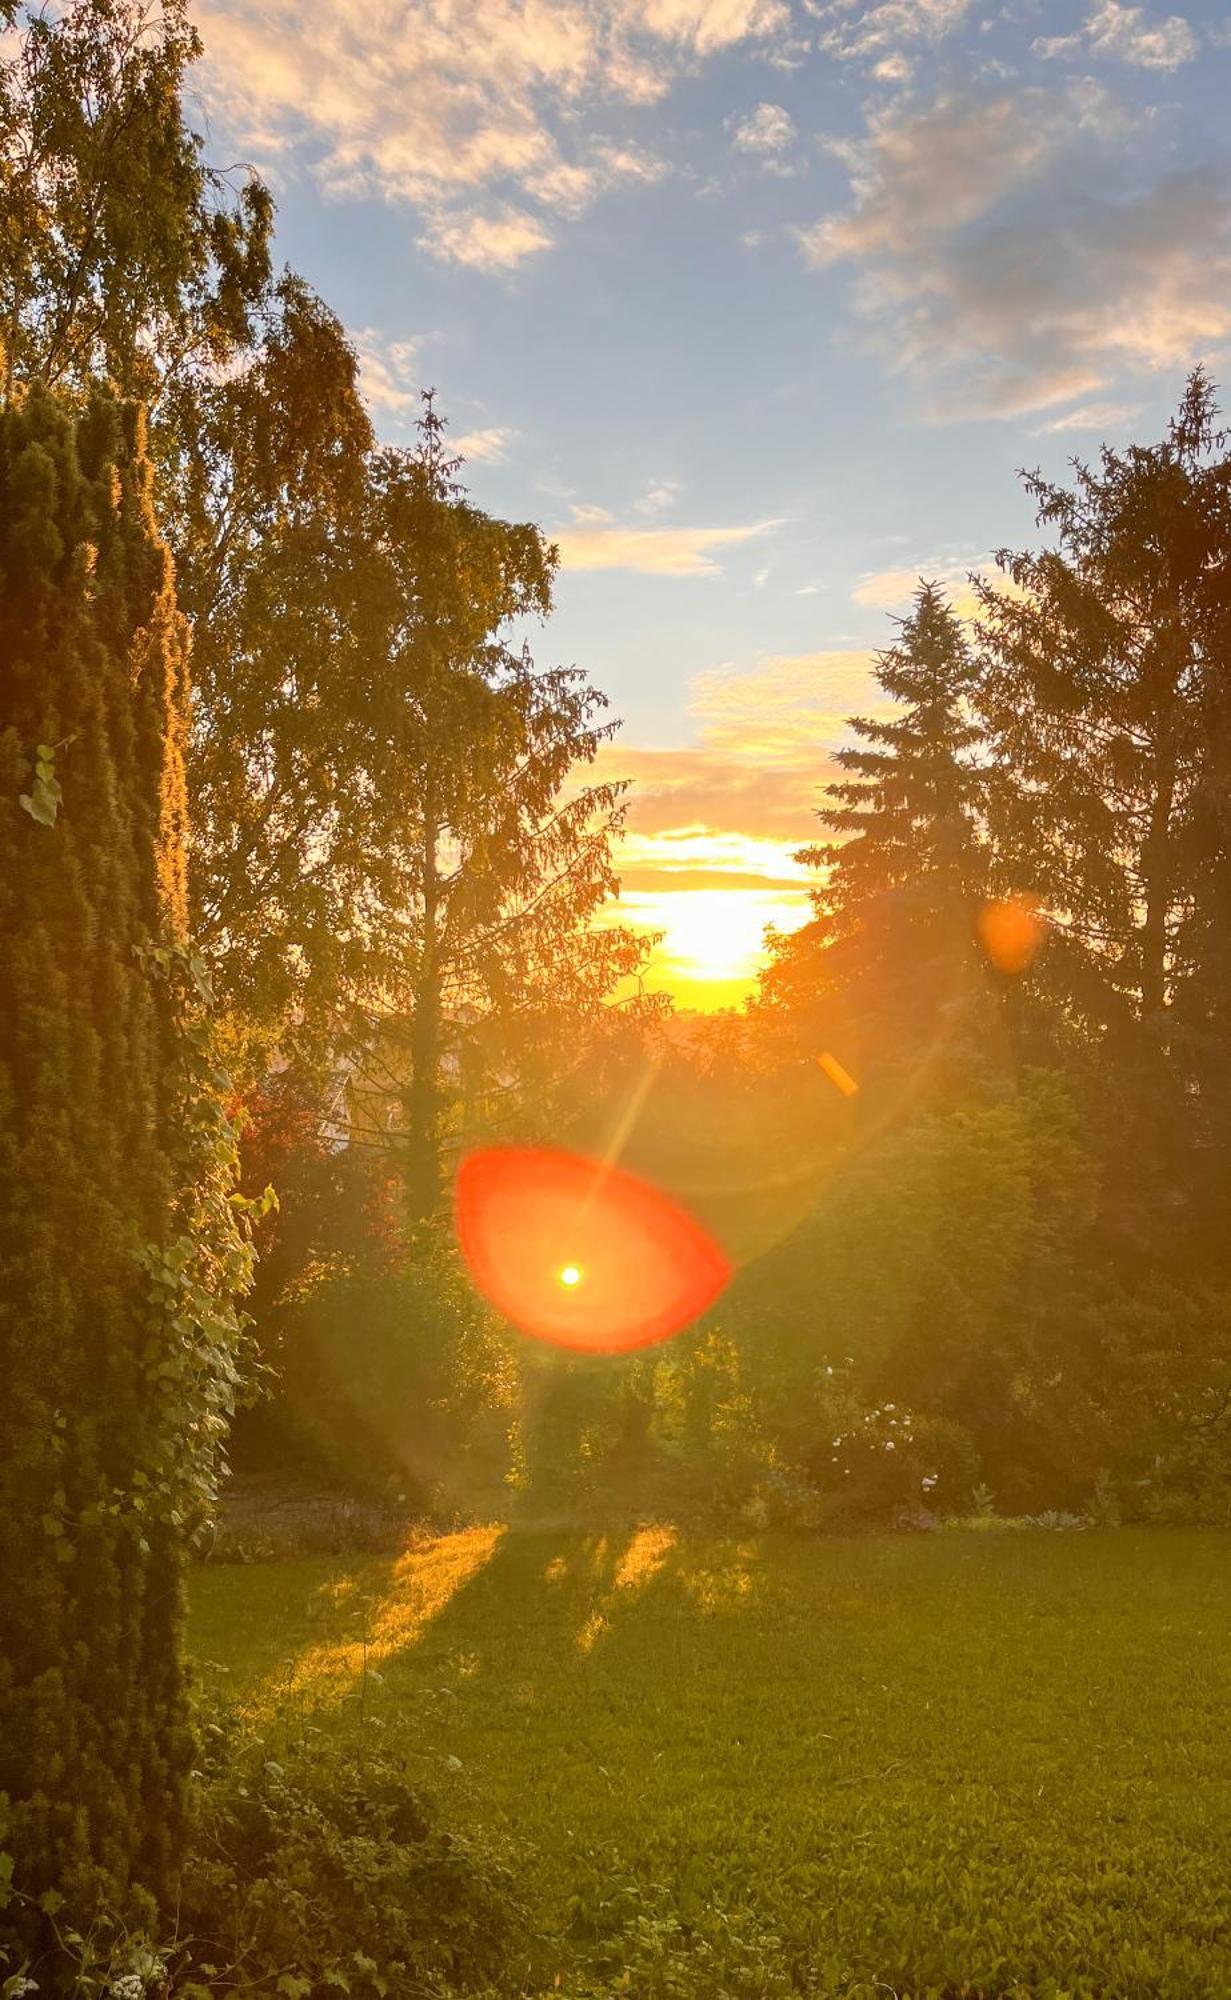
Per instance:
(128,1986)
(889,1445)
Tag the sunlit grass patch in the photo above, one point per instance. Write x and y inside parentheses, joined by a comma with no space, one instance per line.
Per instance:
(793,1765)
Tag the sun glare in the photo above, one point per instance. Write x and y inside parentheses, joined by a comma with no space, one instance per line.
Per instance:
(712,941)
(648,1266)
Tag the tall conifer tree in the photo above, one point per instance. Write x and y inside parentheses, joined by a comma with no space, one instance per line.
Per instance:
(1105,696)
(888,965)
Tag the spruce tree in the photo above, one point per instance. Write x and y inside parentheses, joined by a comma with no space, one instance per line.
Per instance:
(1104,697)
(887,970)
(93,719)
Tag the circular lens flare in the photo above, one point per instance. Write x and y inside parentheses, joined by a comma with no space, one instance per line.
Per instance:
(1011,933)
(582,1254)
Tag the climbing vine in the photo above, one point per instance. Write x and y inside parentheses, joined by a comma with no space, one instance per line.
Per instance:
(198,1356)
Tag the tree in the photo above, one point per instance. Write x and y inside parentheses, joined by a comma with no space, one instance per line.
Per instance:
(481,963)
(118,1368)
(886,973)
(123,252)
(1103,683)
(265,485)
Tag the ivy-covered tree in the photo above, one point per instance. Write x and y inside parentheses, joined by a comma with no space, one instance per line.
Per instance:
(118,1366)
(886,974)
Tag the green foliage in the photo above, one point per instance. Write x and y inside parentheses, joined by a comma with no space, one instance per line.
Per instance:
(199,1357)
(45,796)
(120,1254)
(92,1738)
(318,1866)
(792,1764)
(397,1383)
(263,476)
(886,975)
(122,251)
(480,964)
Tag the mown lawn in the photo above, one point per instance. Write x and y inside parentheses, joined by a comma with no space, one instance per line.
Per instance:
(1000,1760)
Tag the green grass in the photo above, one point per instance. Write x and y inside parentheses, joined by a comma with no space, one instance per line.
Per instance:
(998,1761)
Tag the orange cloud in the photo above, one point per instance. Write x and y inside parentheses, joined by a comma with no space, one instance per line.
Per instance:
(709,855)
(596,540)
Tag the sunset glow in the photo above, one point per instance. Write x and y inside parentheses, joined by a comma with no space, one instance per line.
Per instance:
(713,940)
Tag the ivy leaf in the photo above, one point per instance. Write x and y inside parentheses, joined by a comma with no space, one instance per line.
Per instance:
(40,806)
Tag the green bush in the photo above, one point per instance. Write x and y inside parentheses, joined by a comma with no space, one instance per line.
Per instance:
(398,1384)
(324,1868)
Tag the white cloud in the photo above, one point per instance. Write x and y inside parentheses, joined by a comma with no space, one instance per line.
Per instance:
(879,33)
(988,261)
(388,370)
(1093,417)
(706,25)
(767,130)
(492,117)
(1130,35)
(659,497)
(496,242)
(491,445)
(596,540)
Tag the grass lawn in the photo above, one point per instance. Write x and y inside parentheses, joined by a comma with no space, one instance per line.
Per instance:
(998,1760)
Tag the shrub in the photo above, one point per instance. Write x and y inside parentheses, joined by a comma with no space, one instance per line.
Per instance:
(397,1384)
(324,1867)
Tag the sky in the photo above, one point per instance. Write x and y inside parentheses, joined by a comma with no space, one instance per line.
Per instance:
(757,308)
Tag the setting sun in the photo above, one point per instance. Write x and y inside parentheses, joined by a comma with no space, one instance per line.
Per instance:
(712,942)
(570,1275)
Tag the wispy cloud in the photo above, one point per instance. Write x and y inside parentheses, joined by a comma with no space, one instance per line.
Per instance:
(1093,417)
(893,590)
(486,242)
(491,117)
(1129,35)
(388,370)
(705,26)
(490,445)
(767,133)
(988,261)
(765,738)
(596,540)
(709,855)
(885,34)
(660,497)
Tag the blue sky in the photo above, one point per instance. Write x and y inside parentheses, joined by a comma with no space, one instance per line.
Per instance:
(755,306)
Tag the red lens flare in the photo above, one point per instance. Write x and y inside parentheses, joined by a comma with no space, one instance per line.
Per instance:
(581,1254)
